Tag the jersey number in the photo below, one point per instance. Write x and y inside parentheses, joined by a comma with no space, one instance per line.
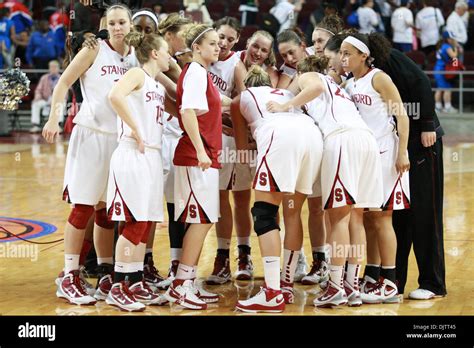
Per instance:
(159,115)
(339,93)
(277,92)
(192,211)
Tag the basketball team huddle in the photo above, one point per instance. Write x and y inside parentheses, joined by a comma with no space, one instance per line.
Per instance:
(164,103)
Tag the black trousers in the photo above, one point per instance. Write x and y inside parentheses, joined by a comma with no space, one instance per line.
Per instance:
(422,224)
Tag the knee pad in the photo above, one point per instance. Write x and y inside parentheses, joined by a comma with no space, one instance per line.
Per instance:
(80,215)
(134,231)
(102,220)
(265,217)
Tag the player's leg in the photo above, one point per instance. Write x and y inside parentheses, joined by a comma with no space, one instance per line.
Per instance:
(243,226)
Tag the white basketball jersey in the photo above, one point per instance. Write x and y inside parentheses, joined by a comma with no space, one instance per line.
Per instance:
(253,104)
(147,106)
(333,110)
(109,66)
(371,106)
(171,126)
(222,73)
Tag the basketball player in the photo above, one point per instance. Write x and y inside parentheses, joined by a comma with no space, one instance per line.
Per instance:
(350,173)
(92,142)
(135,188)
(294,137)
(228,74)
(196,162)
(377,99)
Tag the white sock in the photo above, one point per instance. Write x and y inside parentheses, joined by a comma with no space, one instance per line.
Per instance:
(337,275)
(194,272)
(71,263)
(328,252)
(352,275)
(176,253)
(149,251)
(243,241)
(439,105)
(124,267)
(184,272)
(223,243)
(137,266)
(447,105)
(271,270)
(101,260)
(290,261)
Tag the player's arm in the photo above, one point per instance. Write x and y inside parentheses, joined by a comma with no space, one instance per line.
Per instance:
(174,71)
(239,76)
(79,65)
(131,81)
(170,106)
(168,83)
(383,84)
(311,87)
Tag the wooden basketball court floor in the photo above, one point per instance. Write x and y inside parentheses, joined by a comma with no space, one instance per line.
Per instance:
(31,174)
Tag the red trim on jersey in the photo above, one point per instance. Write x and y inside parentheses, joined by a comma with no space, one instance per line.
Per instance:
(66,195)
(370,69)
(255,100)
(349,199)
(128,215)
(121,126)
(332,102)
(113,49)
(203,218)
(230,55)
(272,182)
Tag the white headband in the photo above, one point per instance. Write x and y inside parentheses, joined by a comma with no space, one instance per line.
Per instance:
(146,13)
(329,31)
(197,37)
(357,44)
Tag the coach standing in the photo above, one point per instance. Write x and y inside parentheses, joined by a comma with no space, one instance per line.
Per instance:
(422,225)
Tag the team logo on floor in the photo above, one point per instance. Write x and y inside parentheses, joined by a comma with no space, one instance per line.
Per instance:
(26,229)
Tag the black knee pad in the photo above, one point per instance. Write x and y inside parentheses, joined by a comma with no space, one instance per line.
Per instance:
(264,217)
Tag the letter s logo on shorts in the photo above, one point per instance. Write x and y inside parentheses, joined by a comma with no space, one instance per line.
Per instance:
(263,179)
(118,208)
(398,197)
(338,194)
(192,211)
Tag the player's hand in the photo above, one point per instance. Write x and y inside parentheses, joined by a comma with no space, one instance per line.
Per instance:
(91,43)
(428,138)
(204,162)
(227,131)
(276,107)
(141,144)
(403,163)
(50,130)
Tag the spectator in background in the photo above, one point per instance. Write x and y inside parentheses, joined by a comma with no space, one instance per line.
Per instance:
(58,23)
(199,5)
(286,13)
(7,36)
(368,19)
(43,93)
(159,11)
(22,41)
(402,26)
(326,9)
(457,27)
(447,51)
(42,47)
(428,23)
(249,9)
(385,8)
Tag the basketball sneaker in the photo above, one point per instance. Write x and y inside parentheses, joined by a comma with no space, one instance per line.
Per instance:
(332,296)
(385,291)
(204,295)
(121,296)
(221,273)
(164,284)
(353,295)
(245,267)
(422,294)
(88,287)
(288,292)
(182,292)
(301,268)
(319,273)
(266,300)
(71,289)
(367,284)
(103,287)
(144,294)
(151,275)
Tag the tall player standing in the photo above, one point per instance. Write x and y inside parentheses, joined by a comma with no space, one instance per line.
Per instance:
(196,162)
(228,75)
(92,142)
(377,99)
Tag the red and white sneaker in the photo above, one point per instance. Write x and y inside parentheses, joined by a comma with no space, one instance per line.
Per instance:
(183,293)
(88,287)
(385,291)
(204,295)
(120,296)
(319,273)
(71,289)
(367,284)
(221,273)
(287,291)
(332,296)
(164,284)
(144,294)
(151,275)
(245,267)
(103,287)
(353,295)
(266,300)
